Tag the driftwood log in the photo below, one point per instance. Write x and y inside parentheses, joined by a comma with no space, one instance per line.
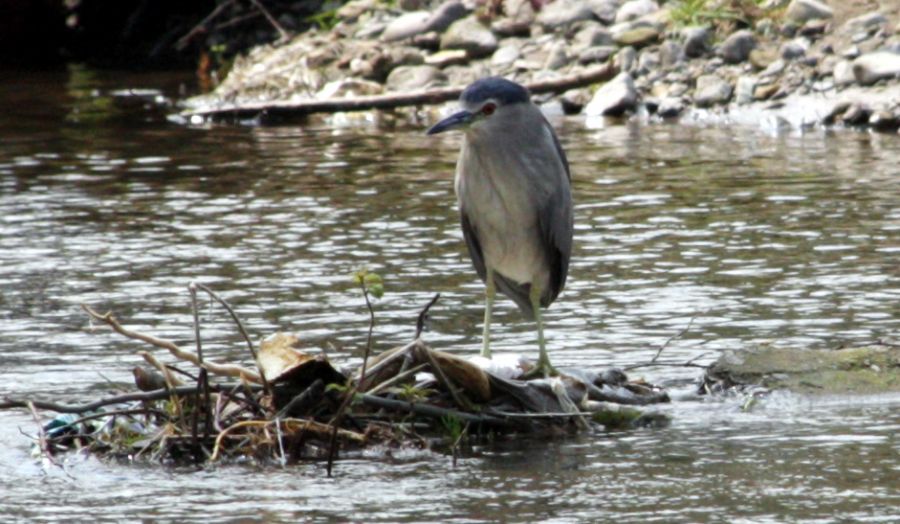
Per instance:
(295,108)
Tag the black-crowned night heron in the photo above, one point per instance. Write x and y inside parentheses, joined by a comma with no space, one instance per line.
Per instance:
(515,200)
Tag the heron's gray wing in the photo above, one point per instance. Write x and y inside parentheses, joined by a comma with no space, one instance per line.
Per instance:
(556,222)
(515,291)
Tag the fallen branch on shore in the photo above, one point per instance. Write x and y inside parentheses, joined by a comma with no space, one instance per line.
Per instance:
(294,108)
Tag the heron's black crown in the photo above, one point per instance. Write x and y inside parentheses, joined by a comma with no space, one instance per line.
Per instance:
(500,89)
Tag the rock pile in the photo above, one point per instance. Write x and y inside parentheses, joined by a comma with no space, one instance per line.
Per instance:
(670,58)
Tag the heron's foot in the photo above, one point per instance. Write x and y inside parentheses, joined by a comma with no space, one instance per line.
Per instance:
(541,370)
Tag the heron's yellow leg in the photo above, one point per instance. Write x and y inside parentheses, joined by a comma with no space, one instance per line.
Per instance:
(543,366)
(489,292)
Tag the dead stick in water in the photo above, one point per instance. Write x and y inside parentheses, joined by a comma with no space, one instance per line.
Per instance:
(230,370)
(602,73)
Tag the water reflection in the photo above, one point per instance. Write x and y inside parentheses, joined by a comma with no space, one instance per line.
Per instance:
(790,238)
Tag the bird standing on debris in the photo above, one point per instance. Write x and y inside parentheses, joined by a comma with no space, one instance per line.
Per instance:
(515,202)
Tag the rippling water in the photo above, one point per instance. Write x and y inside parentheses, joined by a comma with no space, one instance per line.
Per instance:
(782,237)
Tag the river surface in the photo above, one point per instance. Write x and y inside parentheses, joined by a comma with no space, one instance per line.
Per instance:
(749,234)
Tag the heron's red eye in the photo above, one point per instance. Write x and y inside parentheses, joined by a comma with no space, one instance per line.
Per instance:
(488,109)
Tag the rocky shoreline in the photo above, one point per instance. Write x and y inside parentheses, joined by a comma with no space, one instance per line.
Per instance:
(801,62)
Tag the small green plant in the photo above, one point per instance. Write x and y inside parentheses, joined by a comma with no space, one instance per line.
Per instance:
(703,12)
(371,284)
(453,426)
(411,393)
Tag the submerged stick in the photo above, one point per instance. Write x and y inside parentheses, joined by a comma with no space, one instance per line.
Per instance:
(601,73)
(183,391)
(429,410)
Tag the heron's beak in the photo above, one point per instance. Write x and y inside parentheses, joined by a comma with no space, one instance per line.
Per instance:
(454,121)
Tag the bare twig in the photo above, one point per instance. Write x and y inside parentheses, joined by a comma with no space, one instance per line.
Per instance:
(231,370)
(183,391)
(460,401)
(429,410)
(201,26)
(283,35)
(42,439)
(241,329)
(423,315)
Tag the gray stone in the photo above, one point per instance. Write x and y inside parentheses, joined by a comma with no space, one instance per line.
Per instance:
(471,36)
(634,9)
(615,97)
(670,107)
(444,16)
(352,10)
(774,69)
(743,90)
(505,55)
(591,35)
(634,36)
(596,54)
(711,90)
(795,48)
(517,19)
(574,100)
(648,61)
(557,57)
(763,56)
(626,59)
(414,78)
(418,22)
(671,53)
(872,67)
(696,41)
(605,10)
(736,48)
(406,25)
(447,57)
(349,87)
(865,22)
(802,11)
(564,12)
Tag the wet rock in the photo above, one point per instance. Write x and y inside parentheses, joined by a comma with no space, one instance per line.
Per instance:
(413,78)
(596,54)
(855,115)
(615,97)
(843,73)
(794,49)
(802,11)
(885,120)
(635,36)
(736,48)
(711,90)
(574,100)
(562,13)
(872,67)
(471,36)
(634,9)
(696,41)
(861,370)
(670,107)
